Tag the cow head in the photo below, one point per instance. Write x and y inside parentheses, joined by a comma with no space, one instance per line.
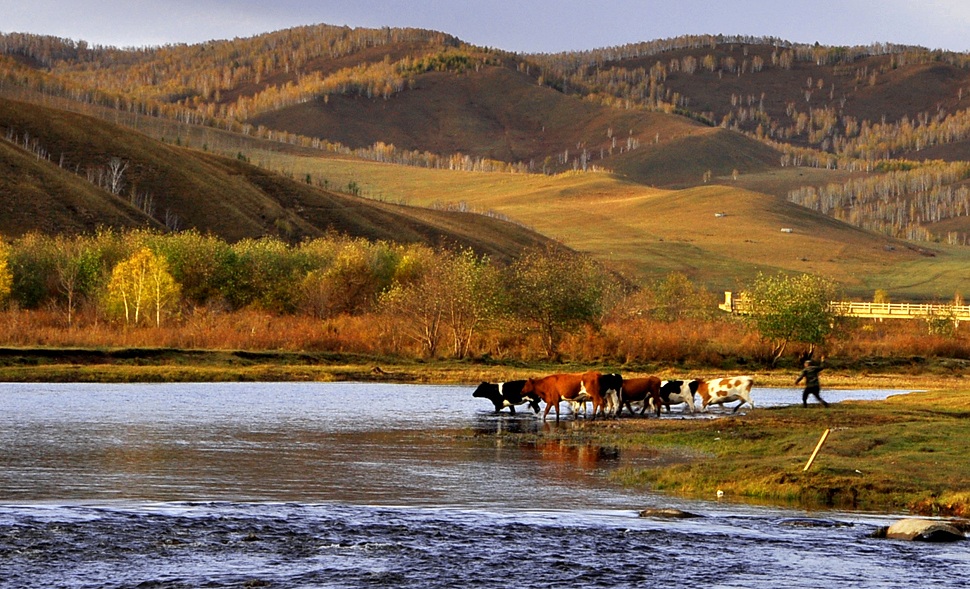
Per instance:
(533,400)
(488,390)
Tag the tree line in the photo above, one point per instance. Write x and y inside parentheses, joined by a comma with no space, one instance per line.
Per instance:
(435,297)
(900,202)
(338,293)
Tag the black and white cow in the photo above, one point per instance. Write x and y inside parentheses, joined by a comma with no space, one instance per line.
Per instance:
(507,394)
(674,392)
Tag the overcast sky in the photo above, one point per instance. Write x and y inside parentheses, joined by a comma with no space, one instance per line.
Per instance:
(514,25)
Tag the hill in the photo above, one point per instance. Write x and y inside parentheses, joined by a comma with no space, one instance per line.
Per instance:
(158,185)
(501,114)
(741,123)
(649,232)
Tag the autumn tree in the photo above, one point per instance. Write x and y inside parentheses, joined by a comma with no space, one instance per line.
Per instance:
(556,292)
(440,295)
(418,299)
(6,276)
(140,287)
(792,309)
(475,286)
(78,268)
(349,275)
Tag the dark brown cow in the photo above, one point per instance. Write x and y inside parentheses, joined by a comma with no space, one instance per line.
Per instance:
(641,390)
(556,388)
(604,391)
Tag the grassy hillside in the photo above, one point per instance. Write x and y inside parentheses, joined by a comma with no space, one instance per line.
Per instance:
(34,195)
(501,114)
(195,189)
(648,232)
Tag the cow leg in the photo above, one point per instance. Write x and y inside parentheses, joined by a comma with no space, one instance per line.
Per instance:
(512,409)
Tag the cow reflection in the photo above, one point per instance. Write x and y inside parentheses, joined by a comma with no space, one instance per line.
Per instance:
(585,456)
(505,424)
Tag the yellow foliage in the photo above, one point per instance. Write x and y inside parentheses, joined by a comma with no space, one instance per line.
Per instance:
(6,276)
(141,287)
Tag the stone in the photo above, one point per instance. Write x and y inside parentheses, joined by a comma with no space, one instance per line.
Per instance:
(667,513)
(924,530)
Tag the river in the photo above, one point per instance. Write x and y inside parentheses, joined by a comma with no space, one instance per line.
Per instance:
(376,485)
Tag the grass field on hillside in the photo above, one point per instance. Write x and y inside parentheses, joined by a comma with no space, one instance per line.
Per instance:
(648,232)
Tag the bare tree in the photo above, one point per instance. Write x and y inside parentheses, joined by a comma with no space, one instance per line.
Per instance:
(116,174)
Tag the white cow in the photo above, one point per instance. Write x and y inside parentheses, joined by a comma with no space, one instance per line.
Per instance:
(724,390)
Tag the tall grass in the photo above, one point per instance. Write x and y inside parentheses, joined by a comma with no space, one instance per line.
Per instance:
(723,343)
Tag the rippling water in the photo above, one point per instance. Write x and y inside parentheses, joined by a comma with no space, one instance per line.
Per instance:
(367,485)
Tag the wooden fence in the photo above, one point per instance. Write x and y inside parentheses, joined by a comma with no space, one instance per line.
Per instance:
(955,313)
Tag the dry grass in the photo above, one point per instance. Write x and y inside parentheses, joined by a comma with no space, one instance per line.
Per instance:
(865,355)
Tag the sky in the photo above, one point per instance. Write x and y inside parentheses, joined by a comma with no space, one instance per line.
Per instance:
(525,26)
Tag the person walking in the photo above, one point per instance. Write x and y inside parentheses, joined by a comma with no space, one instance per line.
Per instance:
(812,387)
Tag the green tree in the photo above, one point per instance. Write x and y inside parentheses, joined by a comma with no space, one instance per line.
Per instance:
(140,287)
(786,309)
(557,292)
(267,273)
(31,261)
(78,267)
(676,297)
(201,264)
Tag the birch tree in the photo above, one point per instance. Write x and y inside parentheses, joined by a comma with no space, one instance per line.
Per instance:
(141,289)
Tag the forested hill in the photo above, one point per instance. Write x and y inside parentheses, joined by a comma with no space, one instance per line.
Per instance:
(871,102)
(669,113)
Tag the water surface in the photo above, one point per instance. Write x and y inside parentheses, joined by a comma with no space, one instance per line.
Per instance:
(361,485)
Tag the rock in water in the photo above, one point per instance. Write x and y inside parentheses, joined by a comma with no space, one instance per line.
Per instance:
(924,530)
(667,513)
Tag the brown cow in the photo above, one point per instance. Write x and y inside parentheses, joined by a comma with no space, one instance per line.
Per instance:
(639,390)
(604,391)
(555,388)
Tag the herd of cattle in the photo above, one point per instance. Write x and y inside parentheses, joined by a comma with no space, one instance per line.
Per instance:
(609,393)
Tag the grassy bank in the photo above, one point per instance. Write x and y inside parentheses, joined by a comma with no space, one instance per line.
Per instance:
(907,453)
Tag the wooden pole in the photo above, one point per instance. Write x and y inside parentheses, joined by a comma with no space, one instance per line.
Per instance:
(818,447)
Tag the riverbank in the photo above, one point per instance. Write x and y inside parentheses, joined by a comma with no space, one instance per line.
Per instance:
(53,364)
